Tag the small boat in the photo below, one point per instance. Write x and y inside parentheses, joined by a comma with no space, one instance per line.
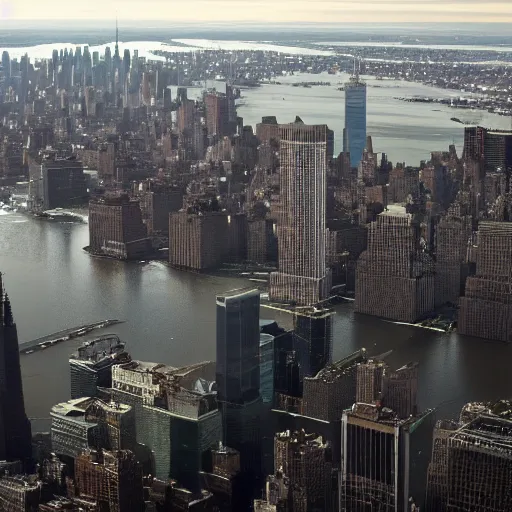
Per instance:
(43,346)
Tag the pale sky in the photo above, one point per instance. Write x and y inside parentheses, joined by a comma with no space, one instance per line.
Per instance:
(279,11)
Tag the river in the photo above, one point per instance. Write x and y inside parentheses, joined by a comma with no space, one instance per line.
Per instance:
(170,317)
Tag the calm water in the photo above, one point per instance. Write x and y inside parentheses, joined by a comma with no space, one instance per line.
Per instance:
(405,131)
(170,317)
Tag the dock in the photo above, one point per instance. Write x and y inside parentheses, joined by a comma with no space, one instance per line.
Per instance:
(44,342)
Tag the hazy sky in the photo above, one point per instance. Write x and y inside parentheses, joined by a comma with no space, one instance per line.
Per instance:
(333,11)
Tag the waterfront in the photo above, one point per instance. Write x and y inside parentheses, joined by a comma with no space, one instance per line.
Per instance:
(170,317)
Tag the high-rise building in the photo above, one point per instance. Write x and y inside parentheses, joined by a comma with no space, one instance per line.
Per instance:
(486,308)
(198,241)
(401,390)
(384,463)
(64,183)
(19,493)
(267,368)
(217,115)
(238,340)
(91,365)
(116,228)
(395,276)
(113,479)
(312,331)
(303,277)
(354,134)
(370,381)
(238,373)
(15,431)
(306,460)
(493,148)
(472,461)
(6,65)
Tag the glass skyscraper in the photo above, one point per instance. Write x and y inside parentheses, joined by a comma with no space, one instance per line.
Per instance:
(354,134)
(238,346)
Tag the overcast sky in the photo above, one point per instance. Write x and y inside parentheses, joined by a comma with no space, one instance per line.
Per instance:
(333,11)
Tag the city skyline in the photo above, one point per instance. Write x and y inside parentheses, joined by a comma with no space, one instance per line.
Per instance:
(320,11)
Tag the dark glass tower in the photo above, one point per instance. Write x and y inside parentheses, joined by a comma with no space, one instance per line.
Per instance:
(15,431)
(238,374)
(238,342)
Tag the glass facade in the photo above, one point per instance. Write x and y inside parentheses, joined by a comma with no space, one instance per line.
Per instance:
(354,138)
(266,367)
(238,346)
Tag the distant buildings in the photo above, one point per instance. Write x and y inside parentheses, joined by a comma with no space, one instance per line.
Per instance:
(303,277)
(486,308)
(15,430)
(91,365)
(354,134)
(116,228)
(395,277)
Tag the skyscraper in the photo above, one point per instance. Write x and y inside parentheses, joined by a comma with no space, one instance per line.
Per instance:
(238,373)
(15,431)
(303,277)
(354,134)
(6,65)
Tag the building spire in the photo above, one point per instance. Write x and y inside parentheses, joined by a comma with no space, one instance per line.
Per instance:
(117,39)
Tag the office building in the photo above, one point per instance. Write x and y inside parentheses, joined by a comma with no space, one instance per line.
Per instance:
(91,365)
(63,183)
(486,308)
(354,134)
(303,277)
(6,66)
(116,228)
(401,390)
(333,389)
(177,416)
(472,461)
(15,431)
(370,381)
(312,332)
(403,182)
(453,236)
(19,493)
(198,241)
(238,373)
(84,423)
(267,367)
(395,276)
(113,479)
(156,203)
(217,115)
(384,463)
(492,148)
(305,459)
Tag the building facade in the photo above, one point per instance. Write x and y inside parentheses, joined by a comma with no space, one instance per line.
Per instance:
(303,277)
(354,134)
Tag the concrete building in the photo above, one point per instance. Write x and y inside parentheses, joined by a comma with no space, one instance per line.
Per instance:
(453,236)
(306,460)
(493,148)
(303,277)
(177,416)
(84,423)
(217,115)
(472,461)
(116,228)
(486,308)
(19,493)
(91,366)
(333,389)
(370,381)
(113,479)
(157,202)
(395,277)
(403,182)
(401,390)
(384,464)
(198,241)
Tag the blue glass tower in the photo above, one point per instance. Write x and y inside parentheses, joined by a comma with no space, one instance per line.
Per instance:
(354,134)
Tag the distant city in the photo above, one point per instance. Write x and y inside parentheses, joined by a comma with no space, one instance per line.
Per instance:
(275,423)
